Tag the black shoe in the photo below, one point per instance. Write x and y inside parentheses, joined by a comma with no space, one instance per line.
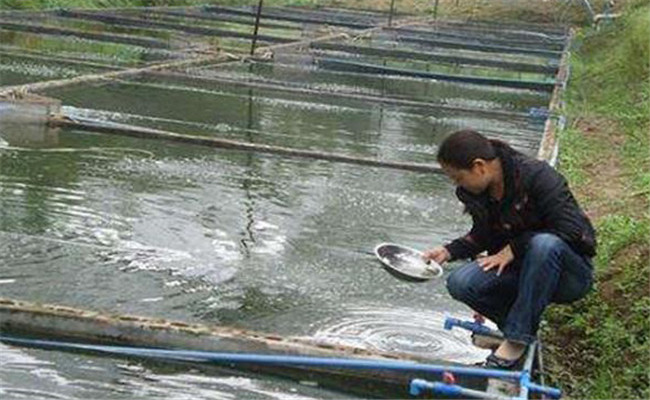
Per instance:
(486,342)
(494,361)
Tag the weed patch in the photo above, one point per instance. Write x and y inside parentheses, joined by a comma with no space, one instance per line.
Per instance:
(599,347)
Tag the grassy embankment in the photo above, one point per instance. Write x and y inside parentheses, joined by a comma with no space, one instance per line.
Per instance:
(599,347)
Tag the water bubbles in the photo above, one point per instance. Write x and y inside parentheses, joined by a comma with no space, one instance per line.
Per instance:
(223,127)
(41,70)
(226,250)
(105,237)
(399,330)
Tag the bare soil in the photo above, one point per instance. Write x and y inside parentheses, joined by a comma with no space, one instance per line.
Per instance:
(603,189)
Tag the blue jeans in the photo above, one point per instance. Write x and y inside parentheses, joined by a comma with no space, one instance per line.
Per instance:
(549,271)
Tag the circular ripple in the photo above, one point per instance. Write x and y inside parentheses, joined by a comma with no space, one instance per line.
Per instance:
(400,330)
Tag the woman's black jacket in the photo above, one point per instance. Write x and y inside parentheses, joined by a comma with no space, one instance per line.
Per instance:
(537,199)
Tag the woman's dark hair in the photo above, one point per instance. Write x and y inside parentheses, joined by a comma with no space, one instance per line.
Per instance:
(461,148)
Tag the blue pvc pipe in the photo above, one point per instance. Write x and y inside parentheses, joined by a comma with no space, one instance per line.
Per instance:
(548,391)
(472,327)
(265,359)
(524,379)
(418,386)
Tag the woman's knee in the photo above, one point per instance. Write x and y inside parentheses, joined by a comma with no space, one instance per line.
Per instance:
(545,243)
(459,282)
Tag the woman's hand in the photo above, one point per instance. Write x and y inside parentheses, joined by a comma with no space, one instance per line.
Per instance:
(500,260)
(438,254)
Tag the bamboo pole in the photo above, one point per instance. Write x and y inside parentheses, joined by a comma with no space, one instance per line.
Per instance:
(18,90)
(147,133)
(548,146)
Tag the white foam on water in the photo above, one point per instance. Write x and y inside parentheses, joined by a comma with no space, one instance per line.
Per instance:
(399,330)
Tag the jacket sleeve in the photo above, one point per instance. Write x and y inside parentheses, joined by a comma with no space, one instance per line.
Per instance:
(471,244)
(558,211)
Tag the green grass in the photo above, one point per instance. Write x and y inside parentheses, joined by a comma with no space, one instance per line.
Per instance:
(599,347)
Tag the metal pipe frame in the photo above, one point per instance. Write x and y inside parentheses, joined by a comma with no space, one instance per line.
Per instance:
(466,45)
(200,30)
(102,37)
(202,15)
(331,14)
(293,18)
(525,384)
(436,57)
(510,28)
(443,32)
(351,66)
(354,96)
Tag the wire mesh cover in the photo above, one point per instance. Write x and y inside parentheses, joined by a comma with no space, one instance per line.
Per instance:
(406,263)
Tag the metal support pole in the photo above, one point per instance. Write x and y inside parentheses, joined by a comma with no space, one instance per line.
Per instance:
(528,367)
(435,10)
(257,26)
(390,15)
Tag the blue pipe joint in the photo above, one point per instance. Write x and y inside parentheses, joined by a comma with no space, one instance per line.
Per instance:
(470,326)
(419,386)
(551,392)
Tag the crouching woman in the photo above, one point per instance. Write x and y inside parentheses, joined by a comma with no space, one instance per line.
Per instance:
(538,241)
